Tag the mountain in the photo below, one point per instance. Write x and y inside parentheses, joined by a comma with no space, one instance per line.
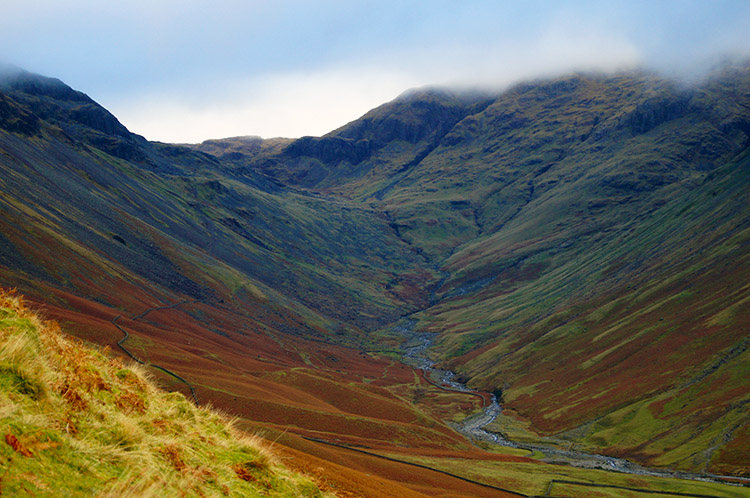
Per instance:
(602,277)
(132,200)
(577,246)
(590,232)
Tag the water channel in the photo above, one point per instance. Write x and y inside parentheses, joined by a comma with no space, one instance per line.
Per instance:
(414,351)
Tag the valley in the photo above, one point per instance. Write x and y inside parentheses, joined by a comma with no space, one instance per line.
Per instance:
(459,294)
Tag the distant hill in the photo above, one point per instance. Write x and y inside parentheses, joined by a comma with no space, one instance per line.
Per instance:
(577,245)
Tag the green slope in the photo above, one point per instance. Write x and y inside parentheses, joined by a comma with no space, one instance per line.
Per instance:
(672,330)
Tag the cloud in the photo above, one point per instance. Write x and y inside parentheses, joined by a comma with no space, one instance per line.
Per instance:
(316,101)
(188,70)
(284,104)
(555,50)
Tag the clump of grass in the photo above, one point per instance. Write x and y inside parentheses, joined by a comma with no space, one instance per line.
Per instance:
(78,422)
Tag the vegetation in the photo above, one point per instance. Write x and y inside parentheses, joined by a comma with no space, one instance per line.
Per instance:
(534,478)
(78,422)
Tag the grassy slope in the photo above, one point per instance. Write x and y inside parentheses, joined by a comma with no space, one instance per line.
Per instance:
(80,423)
(663,351)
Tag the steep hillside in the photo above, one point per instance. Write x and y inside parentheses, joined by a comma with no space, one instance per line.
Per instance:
(77,422)
(653,337)
(556,160)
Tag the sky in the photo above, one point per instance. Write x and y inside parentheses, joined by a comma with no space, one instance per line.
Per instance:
(186,70)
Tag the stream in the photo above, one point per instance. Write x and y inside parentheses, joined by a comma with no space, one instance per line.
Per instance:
(414,351)
(415,355)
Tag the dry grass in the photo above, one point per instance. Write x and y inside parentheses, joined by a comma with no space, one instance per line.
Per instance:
(78,422)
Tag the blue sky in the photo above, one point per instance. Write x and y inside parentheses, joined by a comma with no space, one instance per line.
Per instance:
(185,71)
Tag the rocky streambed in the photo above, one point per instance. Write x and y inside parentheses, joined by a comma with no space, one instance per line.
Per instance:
(414,351)
(415,355)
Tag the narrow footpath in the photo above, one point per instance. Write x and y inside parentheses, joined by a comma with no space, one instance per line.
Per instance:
(126,336)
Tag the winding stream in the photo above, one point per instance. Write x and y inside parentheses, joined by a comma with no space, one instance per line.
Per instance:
(414,352)
(415,355)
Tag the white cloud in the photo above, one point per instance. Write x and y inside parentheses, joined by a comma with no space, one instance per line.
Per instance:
(561,46)
(289,105)
(294,104)
(191,70)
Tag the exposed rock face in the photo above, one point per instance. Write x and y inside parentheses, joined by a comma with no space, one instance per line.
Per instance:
(331,149)
(96,117)
(654,112)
